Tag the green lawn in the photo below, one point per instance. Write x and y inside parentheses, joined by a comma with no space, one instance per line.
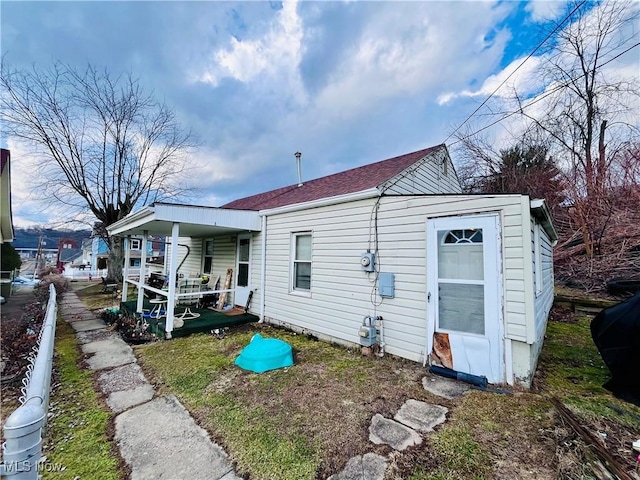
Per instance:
(306,421)
(77,445)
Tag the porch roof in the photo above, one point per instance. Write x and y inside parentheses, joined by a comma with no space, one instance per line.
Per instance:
(194,221)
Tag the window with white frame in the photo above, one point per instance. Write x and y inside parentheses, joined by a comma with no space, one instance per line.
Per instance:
(135,244)
(301,262)
(537,255)
(207,266)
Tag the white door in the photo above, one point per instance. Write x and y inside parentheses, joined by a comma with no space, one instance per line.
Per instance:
(464,312)
(243,270)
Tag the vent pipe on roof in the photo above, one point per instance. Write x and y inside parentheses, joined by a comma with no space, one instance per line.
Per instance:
(298,155)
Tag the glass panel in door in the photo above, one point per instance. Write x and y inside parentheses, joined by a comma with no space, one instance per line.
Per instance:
(243,261)
(461,281)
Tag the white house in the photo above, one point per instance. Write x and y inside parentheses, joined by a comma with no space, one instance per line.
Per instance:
(461,280)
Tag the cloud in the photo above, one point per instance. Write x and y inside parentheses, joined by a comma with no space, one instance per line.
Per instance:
(545,10)
(517,76)
(275,55)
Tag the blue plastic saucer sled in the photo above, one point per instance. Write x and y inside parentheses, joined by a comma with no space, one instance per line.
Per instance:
(264,354)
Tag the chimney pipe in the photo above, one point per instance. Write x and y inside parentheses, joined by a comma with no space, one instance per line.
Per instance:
(298,155)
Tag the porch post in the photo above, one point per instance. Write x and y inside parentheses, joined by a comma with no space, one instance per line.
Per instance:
(125,272)
(143,273)
(173,275)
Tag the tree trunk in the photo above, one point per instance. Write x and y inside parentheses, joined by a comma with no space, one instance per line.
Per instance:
(116,258)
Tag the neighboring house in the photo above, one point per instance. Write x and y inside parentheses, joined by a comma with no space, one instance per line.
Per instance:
(6,218)
(467,279)
(87,252)
(69,253)
(99,254)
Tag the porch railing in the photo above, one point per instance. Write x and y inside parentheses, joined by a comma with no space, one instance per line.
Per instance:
(23,430)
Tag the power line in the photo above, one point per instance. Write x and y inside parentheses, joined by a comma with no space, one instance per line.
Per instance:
(542,97)
(517,68)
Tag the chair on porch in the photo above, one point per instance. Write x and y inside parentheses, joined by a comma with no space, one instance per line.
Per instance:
(188,285)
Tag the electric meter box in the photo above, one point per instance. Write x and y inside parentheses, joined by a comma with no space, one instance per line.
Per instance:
(386,285)
(368,261)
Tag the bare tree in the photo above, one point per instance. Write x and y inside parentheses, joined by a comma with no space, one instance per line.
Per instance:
(104,145)
(586,115)
(591,114)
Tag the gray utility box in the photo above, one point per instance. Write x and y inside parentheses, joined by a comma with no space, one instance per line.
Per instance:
(386,285)
(367,335)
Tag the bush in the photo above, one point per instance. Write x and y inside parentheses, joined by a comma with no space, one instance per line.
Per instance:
(60,283)
(19,337)
(9,258)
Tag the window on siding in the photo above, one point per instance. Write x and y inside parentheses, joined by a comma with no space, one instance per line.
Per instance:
(301,262)
(135,244)
(208,257)
(537,255)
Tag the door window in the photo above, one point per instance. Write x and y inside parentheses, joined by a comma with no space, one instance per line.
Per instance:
(243,262)
(461,281)
(208,257)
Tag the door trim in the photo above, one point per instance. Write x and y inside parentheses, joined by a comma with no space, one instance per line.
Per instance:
(241,295)
(495,294)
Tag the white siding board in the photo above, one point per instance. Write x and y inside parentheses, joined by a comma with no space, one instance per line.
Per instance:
(427,176)
(544,301)
(340,291)
(517,331)
(224,256)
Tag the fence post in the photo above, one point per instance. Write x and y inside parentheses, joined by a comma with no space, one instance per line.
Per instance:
(23,429)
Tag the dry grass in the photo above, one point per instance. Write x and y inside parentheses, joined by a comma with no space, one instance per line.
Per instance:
(305,422)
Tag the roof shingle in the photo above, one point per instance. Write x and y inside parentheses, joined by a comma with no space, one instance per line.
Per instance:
(342,183)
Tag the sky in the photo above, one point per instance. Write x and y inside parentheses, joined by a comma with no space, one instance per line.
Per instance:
(345,83)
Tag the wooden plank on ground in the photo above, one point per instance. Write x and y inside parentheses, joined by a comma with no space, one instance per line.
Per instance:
(227,284)
(608,461)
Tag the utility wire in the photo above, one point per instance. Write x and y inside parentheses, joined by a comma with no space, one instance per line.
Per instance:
(517,68)
(543,96)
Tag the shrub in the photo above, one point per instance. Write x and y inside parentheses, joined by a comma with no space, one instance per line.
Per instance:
(9,258)
(60,283)
(19,337)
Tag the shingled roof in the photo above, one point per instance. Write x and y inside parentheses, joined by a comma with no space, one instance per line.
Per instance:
(349,181)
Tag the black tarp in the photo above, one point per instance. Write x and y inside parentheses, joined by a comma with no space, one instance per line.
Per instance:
(616,333)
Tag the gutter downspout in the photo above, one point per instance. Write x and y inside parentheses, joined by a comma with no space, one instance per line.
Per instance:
(263,268)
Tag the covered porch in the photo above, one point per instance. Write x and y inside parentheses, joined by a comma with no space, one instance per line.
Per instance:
(207,320)
(189,230)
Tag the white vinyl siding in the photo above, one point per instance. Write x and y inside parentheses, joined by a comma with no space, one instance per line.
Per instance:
(341,291)
(433,175)
(192,264)
(224,257)
(543,300)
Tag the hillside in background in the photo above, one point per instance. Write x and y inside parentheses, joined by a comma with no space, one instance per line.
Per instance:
(29,237)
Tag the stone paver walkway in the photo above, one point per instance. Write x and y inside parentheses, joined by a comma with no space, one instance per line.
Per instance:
(413,420)
(159,439)
(157,436)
